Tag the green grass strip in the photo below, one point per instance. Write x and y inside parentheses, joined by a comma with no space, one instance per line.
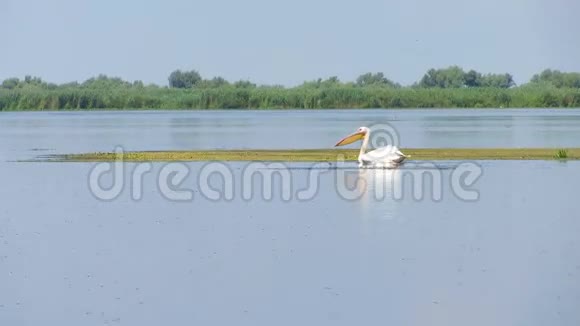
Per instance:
(324,155)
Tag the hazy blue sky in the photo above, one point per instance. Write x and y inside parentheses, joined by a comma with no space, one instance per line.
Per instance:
(287,41)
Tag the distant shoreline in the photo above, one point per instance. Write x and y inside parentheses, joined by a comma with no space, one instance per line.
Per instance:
(450,87)
(263,98)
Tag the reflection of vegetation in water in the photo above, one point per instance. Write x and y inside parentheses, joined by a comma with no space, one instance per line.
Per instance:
(449,88)
(322,155)
(561,154)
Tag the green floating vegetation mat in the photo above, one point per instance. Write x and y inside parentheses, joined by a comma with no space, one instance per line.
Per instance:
(322,155)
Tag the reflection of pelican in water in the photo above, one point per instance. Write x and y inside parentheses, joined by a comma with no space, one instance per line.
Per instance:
(383,157)
(379,191)
(382,184)
(365,184)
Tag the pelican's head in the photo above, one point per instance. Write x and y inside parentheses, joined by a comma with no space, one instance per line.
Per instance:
(357,135)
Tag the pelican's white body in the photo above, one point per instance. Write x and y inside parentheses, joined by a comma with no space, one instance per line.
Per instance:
(383,157)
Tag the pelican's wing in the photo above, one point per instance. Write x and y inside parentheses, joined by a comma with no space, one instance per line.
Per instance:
(384,154)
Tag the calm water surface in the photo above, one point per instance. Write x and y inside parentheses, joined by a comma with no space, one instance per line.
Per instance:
(512,257)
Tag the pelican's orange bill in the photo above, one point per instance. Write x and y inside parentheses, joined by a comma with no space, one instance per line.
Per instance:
(351,138)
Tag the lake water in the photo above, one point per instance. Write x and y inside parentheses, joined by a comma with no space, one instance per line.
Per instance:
(511,256)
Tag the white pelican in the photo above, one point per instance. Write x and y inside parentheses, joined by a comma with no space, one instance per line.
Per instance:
(383,157)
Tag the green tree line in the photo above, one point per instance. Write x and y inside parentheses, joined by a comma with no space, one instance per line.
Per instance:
(439,88)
